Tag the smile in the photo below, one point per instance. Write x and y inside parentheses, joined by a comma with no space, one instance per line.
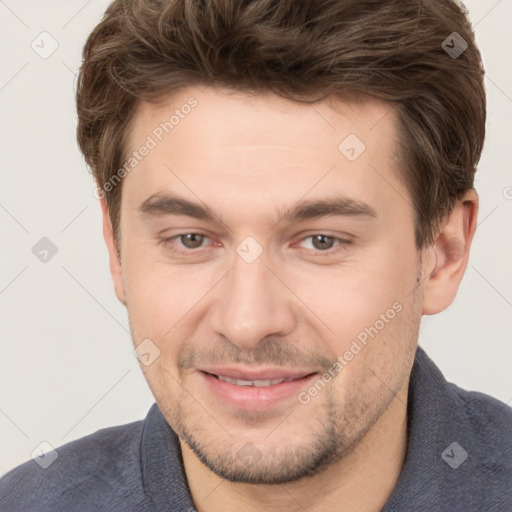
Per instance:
(256,394)
(255,383)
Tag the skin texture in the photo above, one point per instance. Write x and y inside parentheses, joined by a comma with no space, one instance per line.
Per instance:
(299,304)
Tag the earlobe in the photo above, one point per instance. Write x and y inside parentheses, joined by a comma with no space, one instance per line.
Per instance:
(113,251)
(451,250)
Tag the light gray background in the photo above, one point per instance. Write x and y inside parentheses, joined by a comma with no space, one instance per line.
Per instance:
(66,362)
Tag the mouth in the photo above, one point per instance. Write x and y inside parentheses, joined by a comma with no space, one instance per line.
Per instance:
(258,383)
(256,391)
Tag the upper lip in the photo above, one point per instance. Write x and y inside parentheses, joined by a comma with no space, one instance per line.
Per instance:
(256,374)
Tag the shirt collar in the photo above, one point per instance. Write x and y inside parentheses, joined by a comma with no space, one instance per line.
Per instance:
(163,473)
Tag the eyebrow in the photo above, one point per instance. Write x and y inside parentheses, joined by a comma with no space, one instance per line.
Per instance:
(165,204)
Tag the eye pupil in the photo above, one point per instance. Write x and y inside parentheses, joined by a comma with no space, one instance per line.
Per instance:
(322,239)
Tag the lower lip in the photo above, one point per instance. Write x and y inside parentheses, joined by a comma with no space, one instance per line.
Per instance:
(252,398)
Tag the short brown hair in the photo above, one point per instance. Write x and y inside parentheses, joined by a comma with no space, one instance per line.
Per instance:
(395,50)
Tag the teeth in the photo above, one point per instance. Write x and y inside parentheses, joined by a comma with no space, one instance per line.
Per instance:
(255,383)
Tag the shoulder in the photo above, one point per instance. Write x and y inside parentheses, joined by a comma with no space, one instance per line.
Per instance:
(105,463)
(488,419)
(482,425)
(480,418)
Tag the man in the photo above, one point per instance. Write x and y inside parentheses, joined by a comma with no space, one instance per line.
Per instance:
(286,188)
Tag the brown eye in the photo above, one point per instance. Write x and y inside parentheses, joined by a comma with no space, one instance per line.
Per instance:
(322,242)
(191,240)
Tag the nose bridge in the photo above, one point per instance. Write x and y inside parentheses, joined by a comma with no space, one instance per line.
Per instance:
(251,303)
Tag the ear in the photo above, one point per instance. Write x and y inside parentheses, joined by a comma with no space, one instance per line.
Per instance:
(451,254)
(114,254)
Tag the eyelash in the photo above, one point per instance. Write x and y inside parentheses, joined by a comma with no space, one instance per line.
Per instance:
(342,243)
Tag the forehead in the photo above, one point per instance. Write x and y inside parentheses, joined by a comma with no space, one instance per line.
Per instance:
(210,143)
(221,117)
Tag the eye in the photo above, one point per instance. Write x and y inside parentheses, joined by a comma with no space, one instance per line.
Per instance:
(190,241)
(323,243)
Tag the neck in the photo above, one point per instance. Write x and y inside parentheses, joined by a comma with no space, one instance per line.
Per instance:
(362,481)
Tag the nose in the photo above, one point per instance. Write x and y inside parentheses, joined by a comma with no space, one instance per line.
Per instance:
(252,303)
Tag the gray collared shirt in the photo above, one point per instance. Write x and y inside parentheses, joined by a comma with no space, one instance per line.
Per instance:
(459,459)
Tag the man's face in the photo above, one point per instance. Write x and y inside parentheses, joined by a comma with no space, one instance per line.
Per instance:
(255,294)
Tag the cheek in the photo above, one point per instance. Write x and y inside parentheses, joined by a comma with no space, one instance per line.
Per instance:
(156,300)
(155,306)
(352,297)
(165,303)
